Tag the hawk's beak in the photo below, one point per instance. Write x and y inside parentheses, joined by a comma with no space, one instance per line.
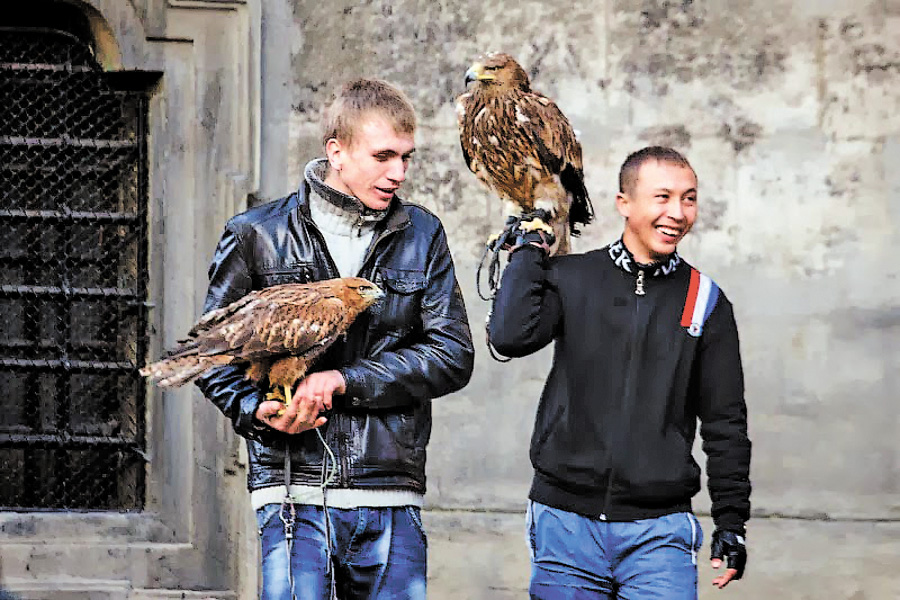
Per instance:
(475,73)
(375,293)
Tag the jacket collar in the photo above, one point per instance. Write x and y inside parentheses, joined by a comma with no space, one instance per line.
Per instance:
(623,259)
(397,217)
(345,205)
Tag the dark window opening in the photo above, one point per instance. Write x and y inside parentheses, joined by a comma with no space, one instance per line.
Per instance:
(73,275)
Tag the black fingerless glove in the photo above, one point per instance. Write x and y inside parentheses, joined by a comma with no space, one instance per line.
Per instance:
(542,239)
(514,236)
(729,546)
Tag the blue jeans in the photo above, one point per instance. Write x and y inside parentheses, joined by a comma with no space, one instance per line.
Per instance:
(574,557)
(378,554)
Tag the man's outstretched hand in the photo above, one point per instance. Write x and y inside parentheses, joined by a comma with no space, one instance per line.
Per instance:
(729,546)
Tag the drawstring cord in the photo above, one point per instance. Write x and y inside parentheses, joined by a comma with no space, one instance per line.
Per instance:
(327,477)
(288,513)
(508,239)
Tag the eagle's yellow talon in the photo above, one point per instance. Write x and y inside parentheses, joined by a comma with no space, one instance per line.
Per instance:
(283,395)
(535,225)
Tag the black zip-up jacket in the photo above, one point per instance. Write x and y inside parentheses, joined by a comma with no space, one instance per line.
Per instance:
(618,414)
(412,346)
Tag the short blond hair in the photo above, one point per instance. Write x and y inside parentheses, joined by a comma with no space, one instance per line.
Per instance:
(358,99)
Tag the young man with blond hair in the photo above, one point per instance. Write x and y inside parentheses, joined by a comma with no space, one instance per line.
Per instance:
(337,479)
(645,347)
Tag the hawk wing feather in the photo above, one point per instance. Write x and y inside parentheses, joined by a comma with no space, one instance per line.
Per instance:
(550,131)
(293,328)
(558,149)
(271,320)
(266,327)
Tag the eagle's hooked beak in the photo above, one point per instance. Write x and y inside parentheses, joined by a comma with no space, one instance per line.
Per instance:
(476,73)
(373,293)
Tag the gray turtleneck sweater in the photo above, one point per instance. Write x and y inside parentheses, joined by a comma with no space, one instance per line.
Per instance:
(346,224)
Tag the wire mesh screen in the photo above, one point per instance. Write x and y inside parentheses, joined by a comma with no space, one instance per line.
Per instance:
(73,229)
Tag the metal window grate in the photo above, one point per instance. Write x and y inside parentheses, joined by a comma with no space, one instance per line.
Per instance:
(73,278)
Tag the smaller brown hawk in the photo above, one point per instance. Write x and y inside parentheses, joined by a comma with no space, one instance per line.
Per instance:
(518,143)
(276,332)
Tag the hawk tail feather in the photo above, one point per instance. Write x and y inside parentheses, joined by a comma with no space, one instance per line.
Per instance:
(581,212)
(174,372)
(192,347)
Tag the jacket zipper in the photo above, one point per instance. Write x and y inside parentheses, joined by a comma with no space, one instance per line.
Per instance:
(639,284)
(343,436)
(371,251)
(639,292)
(345,460)
(336,423)
(369,272)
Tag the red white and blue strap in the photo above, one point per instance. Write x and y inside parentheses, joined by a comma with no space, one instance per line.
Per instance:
(700,302)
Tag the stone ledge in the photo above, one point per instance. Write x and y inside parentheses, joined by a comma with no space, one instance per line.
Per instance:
(23,527)
(68,589)
(102,589)
(151,566)
(151,594)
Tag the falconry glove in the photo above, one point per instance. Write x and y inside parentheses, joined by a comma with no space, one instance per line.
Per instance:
(729,545)
(529,228)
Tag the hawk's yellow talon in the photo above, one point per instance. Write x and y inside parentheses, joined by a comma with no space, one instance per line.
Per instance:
(535,225)
(283,395)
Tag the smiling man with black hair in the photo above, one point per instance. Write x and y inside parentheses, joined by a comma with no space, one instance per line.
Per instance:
(645,346)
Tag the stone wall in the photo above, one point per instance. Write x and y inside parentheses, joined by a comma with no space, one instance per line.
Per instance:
(789,111)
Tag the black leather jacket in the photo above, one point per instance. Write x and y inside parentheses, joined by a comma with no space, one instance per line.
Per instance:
(412,346)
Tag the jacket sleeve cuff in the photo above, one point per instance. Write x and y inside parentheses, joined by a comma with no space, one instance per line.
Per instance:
(247,425)
(730,521)
(354,391)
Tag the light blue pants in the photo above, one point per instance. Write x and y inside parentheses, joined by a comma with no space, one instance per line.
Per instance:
(574,557)
(378,554)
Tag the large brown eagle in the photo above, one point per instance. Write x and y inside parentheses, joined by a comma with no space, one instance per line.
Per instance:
(521,146)
(276,332)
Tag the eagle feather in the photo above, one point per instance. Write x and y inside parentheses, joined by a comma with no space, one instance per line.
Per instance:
(276,332)
(519,144)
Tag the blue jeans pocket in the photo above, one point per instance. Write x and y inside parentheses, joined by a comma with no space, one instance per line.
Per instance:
(529,528)
(696,539)
(265,515)
(415,517)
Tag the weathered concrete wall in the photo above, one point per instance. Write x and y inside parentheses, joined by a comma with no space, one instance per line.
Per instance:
(790,112)
(788,109)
